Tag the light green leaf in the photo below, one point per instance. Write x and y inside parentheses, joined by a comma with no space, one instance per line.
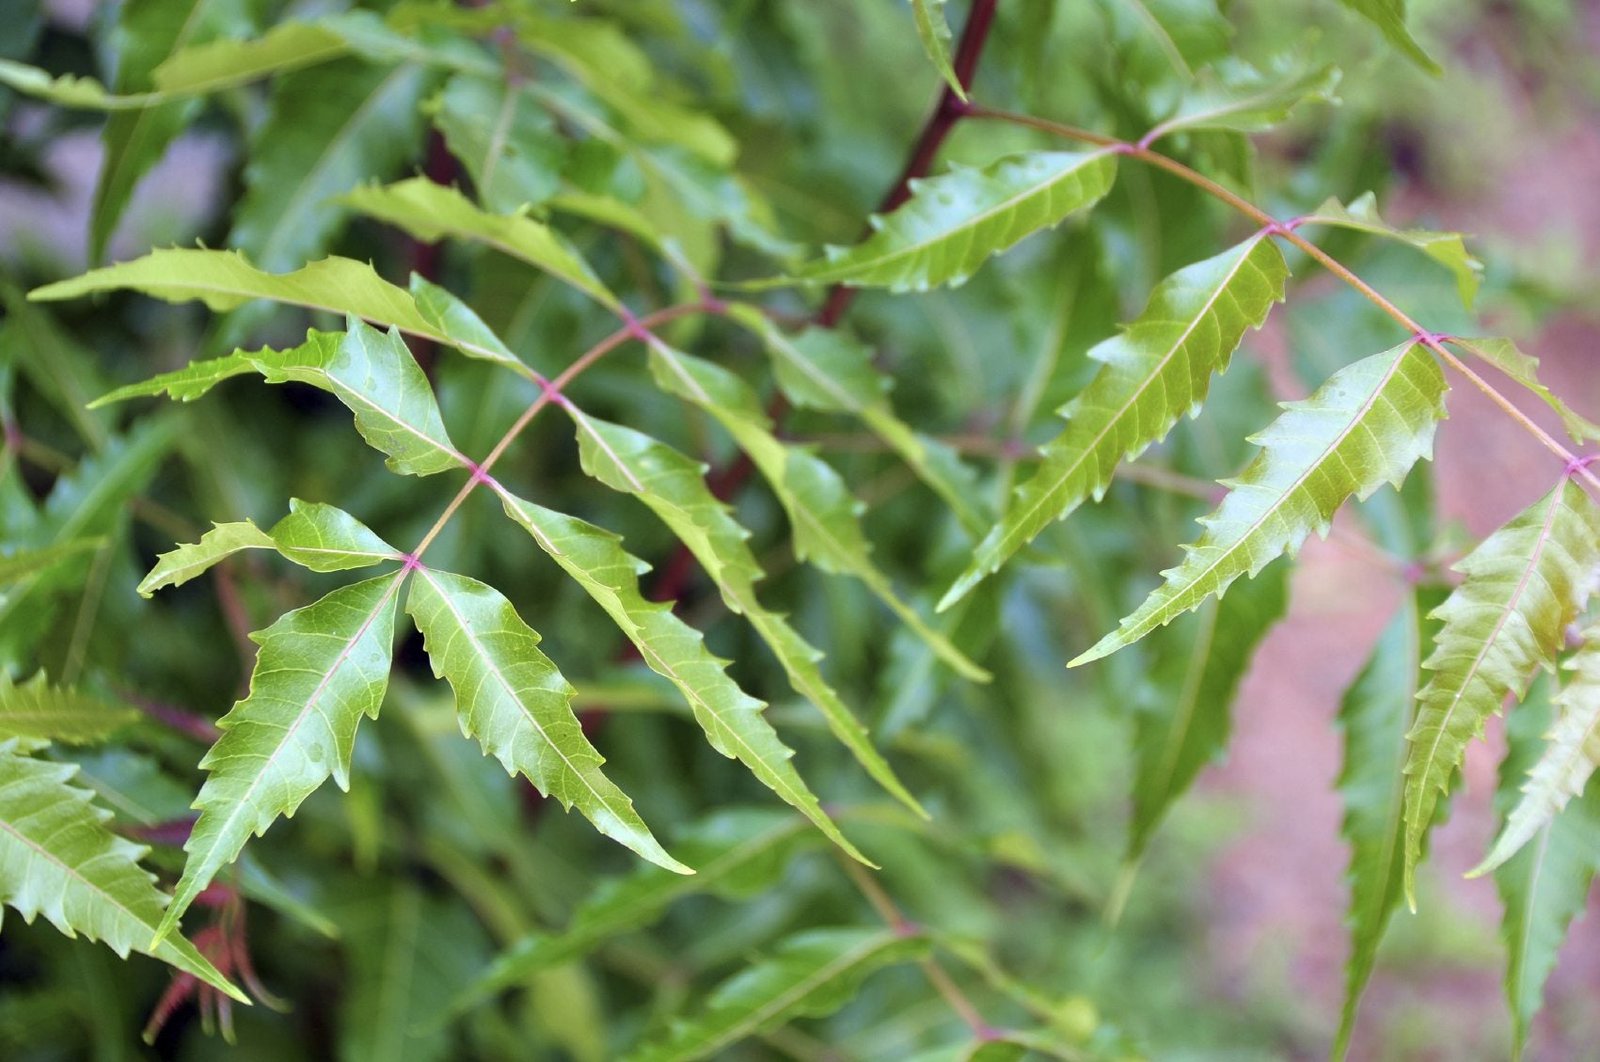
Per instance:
(58,859)
(371,372)
(432,212)
(810,974)
(1390,17)
(1449,249)
(146,35)
(1545,885)
(1235,96)
(316,536)
(1570,755)
(953,223)
(934,32)
(1364,427)
(69,90)
(510,697)
(1375,714)
(320,669)
(674,488)
(736,854)
(504,138)
(23,563)
(216,65)
(1157,370)
(462,327)
(731,718)
(825,369)
(225,280)
(823,517)
(1194,676)
(1522,586)
(1506,356)
(36,711)
(326,132)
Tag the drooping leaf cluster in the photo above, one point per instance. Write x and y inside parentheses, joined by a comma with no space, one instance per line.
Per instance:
(584,199)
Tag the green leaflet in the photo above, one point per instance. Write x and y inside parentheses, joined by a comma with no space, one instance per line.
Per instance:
(1194,676)
(371,372)
(510,697)
(1390,17)
(1365,426)
(1570,755)
(953,223)
(1449,249)
(1546,884)
(225,280)
(731,718)
(1506,356)
(1158,369)
(320,669)
(462,327)
(69,90)
(146,35)
(934,33)
(507,142)
(1375,714)
(674,488)
(1522,586)
(431,212)
(23,563)
(823,516)
(57,858)
(810,974)
(327,131)
(736,853)
(407,953)
(224,64)
(826,369)
(316,536)
(36,711)
(1235,96)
